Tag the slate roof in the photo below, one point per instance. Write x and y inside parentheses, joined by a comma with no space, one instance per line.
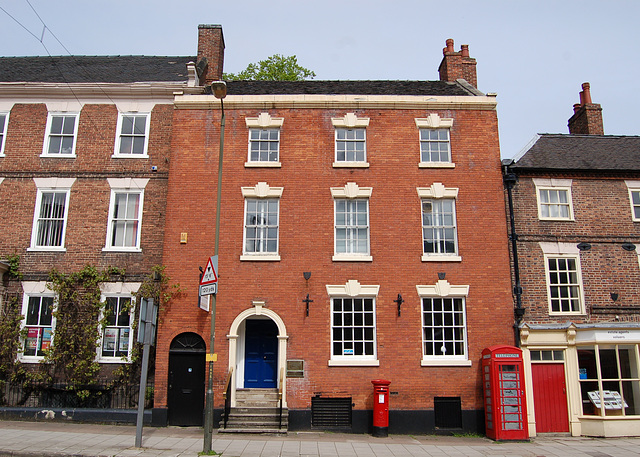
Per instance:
(129,69)
(556,152)
(346,87)
(88,69)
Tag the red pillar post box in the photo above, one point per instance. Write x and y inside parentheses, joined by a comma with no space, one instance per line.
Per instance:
(380,407)
(505,405)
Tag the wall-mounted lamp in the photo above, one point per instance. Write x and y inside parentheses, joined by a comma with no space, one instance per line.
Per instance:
(441,275)
(399,301)
(584,246)
(307,301)
(628,246)
(614,296)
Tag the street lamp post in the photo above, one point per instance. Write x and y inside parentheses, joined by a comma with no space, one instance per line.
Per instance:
(219,89)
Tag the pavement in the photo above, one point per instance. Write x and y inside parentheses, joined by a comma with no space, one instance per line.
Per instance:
(43,439)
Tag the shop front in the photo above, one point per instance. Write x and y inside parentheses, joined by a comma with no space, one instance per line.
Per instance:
(583,379)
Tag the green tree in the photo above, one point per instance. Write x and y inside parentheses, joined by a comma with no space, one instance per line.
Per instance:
(274,68)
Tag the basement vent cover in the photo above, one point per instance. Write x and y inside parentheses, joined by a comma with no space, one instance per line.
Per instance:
(330,412)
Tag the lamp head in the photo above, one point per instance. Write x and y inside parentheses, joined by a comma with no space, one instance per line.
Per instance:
(219,89)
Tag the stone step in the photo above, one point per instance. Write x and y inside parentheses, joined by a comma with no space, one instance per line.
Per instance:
(255,431)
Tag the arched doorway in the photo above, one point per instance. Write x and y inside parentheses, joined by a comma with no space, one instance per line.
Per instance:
(257,333)
(185,395)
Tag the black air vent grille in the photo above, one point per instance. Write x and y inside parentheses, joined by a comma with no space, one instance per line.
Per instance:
(331,412)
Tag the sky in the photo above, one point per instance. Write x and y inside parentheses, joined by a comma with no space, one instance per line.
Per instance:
(534,54)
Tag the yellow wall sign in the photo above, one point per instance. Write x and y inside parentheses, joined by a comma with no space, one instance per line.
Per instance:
(212,357)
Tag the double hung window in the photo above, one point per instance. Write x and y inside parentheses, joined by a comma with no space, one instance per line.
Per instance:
(439,226)
(350,145)
(261,226)
(353,324)
(61,135)
(133,135)
(116,334)
(50,215)
(634,199)
(435,145)
(264,145)
(563,281)
(353,329)
(564,278)
(351,141)
(439,231)
(351,222)
(38,325)
(125,214)
(261,222)
(264,140)
(554,199)
(4,121)
(352,226)
(444,326)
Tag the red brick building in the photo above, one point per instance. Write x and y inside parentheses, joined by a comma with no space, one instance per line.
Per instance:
(362,237)
(575,231)
(84,160)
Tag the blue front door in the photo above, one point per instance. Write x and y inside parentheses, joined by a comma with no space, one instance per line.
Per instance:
(261,354)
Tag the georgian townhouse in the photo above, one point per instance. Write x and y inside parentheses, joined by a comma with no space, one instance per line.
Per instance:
(362,237)
(575,214)
(84,160)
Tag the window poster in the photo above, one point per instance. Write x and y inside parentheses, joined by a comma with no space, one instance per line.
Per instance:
(123,343)
(109,343)
(46,338)
(32,338)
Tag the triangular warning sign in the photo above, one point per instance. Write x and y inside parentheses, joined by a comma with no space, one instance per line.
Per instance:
(210,275)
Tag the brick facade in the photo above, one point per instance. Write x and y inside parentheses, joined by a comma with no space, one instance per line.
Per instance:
(306,243)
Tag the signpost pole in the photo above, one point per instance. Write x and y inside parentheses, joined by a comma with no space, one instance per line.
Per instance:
(148,321)
(220,92)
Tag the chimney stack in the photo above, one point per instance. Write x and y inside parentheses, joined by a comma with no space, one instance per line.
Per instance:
(210,53)
(457,65)
(587,116)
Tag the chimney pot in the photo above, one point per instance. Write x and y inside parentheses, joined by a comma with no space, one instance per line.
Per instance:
(449,47)
(465,50)
(586,90)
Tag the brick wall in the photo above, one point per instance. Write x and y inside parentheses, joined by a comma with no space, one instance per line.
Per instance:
(306,244)
(603,219)
(90,194)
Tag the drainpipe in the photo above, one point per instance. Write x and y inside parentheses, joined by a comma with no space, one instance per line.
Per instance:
(509,179)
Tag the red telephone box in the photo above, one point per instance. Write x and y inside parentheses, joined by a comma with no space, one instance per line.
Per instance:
(380,407)
(505,406)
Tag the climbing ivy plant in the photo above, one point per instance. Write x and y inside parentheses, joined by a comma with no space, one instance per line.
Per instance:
(72,357)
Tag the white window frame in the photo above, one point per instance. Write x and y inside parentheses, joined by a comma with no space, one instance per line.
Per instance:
(46,186)
(35,289)
(119,135)
(350,121)
(634,189)
(262,190)
(49,134)
(3,131)
(128,186)
(118,290)
(353,289)
(434,122)
(351,191)
(263,122)
(554,185)
(442,289)
(437,191)
(563,251)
